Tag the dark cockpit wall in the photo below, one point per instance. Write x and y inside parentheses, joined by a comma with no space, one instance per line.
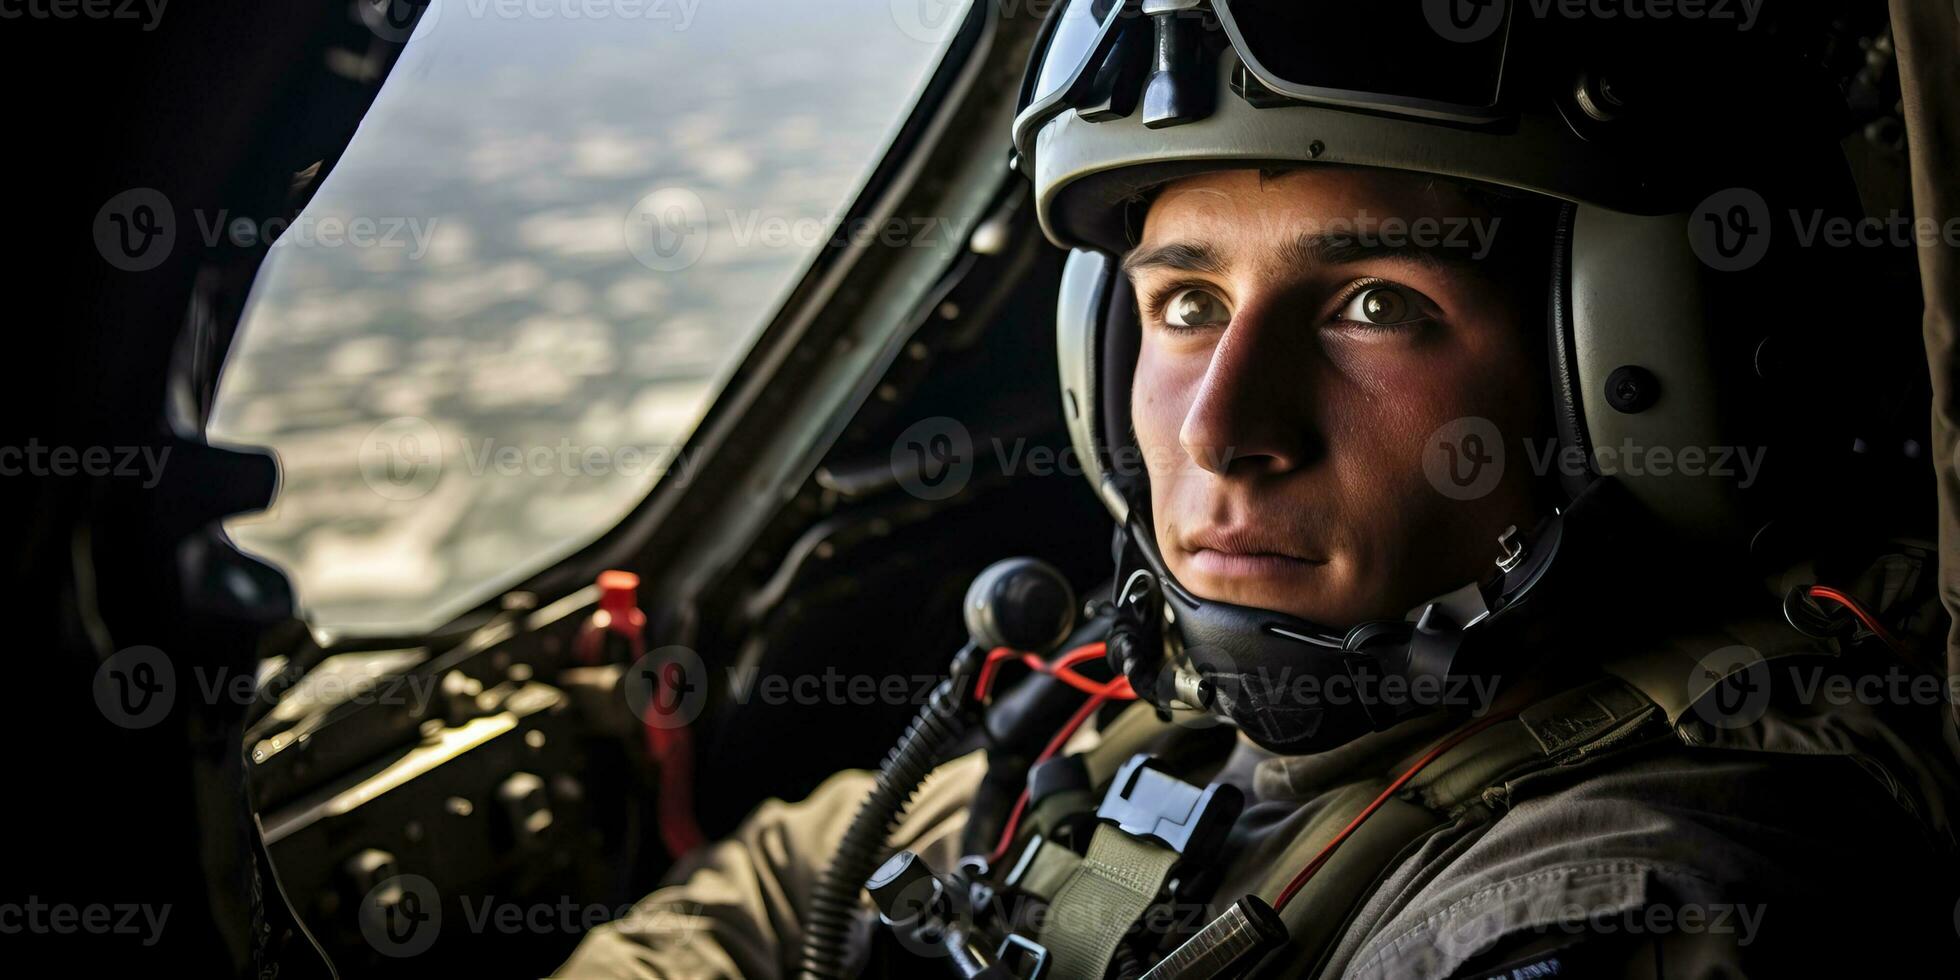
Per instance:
(831,564)
(209,107)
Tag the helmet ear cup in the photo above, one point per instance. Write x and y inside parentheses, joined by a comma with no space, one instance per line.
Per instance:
(1640,300)
(1097,337)
(1122,338)
(1080,310)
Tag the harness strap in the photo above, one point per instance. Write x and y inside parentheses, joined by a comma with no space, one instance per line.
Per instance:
(1044,868)
(1467,783)
(1116,882)
(1096,902)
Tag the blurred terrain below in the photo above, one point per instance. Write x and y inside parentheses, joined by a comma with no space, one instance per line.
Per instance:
(495,309)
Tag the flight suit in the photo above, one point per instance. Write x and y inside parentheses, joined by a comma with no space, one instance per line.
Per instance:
(1649,836)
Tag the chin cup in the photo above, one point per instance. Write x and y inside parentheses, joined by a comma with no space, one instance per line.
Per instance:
(1299,687)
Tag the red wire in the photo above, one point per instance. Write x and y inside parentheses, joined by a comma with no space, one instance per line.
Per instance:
(1118,689)
(1857,609)
(988,669)
(1087,651)
(1293,887)
(1061,668)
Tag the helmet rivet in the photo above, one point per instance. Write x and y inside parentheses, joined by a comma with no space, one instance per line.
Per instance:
(1316,148)
(1632,389)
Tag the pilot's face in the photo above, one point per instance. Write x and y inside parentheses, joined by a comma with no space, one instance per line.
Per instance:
(1292,377)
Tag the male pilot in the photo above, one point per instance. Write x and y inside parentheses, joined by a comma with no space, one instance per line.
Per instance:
(1296,374)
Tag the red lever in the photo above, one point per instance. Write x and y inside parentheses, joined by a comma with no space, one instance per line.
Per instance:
(669,744)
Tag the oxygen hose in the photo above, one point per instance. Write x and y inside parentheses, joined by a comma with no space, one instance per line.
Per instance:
(833,906)
(1019,603)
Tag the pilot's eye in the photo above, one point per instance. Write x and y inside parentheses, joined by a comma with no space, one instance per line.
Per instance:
(1194,307)
(1381,305)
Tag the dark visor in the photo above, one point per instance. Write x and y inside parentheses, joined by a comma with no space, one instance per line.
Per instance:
(1441,59)
(1445,54)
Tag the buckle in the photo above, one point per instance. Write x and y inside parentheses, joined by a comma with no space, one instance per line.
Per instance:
(1146,802)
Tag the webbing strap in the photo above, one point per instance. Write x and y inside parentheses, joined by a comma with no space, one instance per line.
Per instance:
(1044,869)
(1112,888)
(1561,730)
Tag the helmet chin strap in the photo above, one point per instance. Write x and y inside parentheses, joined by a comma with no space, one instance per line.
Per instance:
(1299,687)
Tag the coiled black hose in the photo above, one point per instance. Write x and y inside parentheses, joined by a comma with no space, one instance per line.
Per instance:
(833,906)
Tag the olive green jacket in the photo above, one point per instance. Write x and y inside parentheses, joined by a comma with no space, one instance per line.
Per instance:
(1667,831)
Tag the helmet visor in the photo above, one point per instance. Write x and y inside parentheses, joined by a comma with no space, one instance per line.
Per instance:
(1436,58)
(1072,37)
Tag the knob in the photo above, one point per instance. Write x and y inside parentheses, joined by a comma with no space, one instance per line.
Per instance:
(1022,604)
(904,888)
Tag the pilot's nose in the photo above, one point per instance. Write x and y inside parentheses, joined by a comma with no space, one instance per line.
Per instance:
(1253,411)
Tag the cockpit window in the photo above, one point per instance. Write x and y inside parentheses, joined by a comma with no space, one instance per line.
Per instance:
(557,232)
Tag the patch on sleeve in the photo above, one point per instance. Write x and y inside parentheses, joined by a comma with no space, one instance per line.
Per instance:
(1560,898)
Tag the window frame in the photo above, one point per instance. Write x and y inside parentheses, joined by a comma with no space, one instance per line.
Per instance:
(857,291)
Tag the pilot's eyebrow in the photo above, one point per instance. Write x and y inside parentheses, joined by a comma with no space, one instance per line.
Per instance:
(1341,248)
(1186,256)
(1310,250)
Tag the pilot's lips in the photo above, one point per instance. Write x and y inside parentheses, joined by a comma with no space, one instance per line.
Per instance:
(1244,553)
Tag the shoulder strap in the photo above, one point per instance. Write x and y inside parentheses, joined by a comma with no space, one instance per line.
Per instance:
(1567,728)
(1470,781)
